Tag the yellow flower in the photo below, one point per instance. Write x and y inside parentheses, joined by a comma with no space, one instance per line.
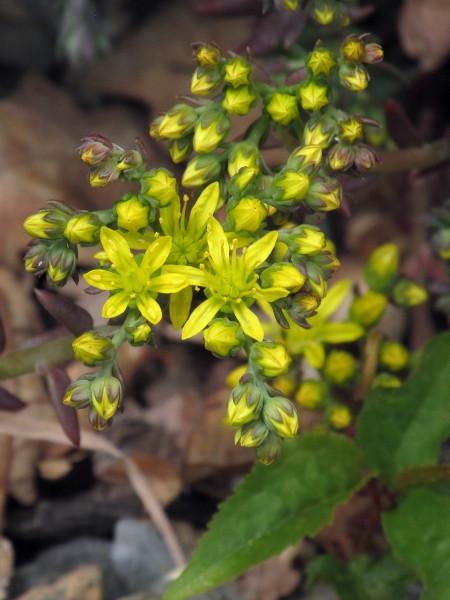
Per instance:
(237,71)
(231,282)
(313,96)
(393,355)
(310,394)
(321,62)
(340,416)
(133,281)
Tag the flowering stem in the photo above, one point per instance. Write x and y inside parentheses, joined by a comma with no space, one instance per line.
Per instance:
(425,157)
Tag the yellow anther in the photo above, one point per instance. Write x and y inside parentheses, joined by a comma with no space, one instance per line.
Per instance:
(141,241)
(131,255)
(197,289)
(238,300)
(96,277)
(253,290)
(157,234)
(186,198)
(113,265)
(224,298)
(160,220)
(244,250)
(132,295)
(202,266)
(234,241)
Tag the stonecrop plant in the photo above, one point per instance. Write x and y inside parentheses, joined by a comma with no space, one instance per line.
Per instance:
(235,254)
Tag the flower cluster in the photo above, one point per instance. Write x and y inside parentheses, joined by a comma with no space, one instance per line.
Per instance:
(249,241)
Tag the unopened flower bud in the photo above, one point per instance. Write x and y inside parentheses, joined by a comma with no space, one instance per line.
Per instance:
(210,130)
(237,71)
(352,49)
(386,380)
(159,184)
(62,264)
(320,62)
(269,451)
(141,334)
(207,55)
(307,159)
(223,338)
(286,384)
(311,394)
(47,224)
(78,394)
(339,416)
(340,367)
(289,5)
(373,54)
(154,128)
(283,108)
(317,282)
(323,11)
(365,158)
(248,215)
(243,154)
(206,80)
(320,131)
(36,257)
(272,358)
(282,275)
(132,215)
(393,355)
(239,101)
(103,175)
(82,229)
(351,130)
(94,150)
(314,95)
(129,160)
(252,435)
(354,77)
(93,348)
(406,293)
(340,157)
(178,121)
(281,417)
(381,268)
(96,420)
(441,243)
(294,186)
(201,170)
(242,179)
(303,305)
(368,308)
(106,396)
(244,404)
(324,194)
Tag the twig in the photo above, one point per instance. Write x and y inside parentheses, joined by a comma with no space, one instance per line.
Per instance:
(425,157)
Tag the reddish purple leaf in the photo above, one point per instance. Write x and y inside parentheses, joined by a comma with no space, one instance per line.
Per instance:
(10,402)
(400,128)
(229,8)
(57,381)
(76,319)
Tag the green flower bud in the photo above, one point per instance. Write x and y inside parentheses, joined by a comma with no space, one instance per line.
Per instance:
(205,80)
(62,264)
(159,184)
(324,194)
(106,396)
(303,306)
(224,338)
(354,77)
(386,380)
(289,5)
(93,348)
(244,404)
(237,71)
(36,257)
(269,451)
(283,108)
(104,175)
(180,149)
(242,179)
(381,269)
(306,239)
(132,215)
(207,55)
(373,54)
(307,159)
(95,150)
(339,416)
(178,121)
(341,157)
(311,394)
(406,293)
(139,335)
(78,394)
(351,130)
(294,186)
(132,159)
(340,367)
(352,49)
(365,158)
(154,128)
(281,417)
(248,214)
(239,101)
(243,154)
(393,355)
(96,420)
(47,224)
(320,62)
(441,243)
(271,358)
(320,131)
(201,170)
(314,95)
(282,275)
(252,434)
(368,309)
(82,229)
(323,11)
(210,130)
(317,282)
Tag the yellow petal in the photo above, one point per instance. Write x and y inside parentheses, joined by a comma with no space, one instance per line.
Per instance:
(248,321)
(218,247)
(334,298)
(315,355)
(260,250)
(148,307)
(201,316)
(203,209)
(179,306)
(117,250)
(103,280)
(270,294)
(193,275)
(338,333)
(170,216)
(168,283)
(116,305)
(156,254)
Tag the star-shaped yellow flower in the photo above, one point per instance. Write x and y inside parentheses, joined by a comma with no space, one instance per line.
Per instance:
(135,280)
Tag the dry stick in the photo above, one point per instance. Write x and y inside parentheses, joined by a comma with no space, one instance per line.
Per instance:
(425,157)
(23,425)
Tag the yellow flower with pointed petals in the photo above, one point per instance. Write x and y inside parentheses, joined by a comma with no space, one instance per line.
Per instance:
(134,280)
(231,282)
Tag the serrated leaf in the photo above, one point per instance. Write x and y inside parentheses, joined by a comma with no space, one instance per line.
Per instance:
(419,534)
(362,577)
(272,508)
(400,428)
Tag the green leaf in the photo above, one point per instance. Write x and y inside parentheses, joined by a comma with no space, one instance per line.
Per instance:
(403,427)
(272,508)
(362,577)
(419,534)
